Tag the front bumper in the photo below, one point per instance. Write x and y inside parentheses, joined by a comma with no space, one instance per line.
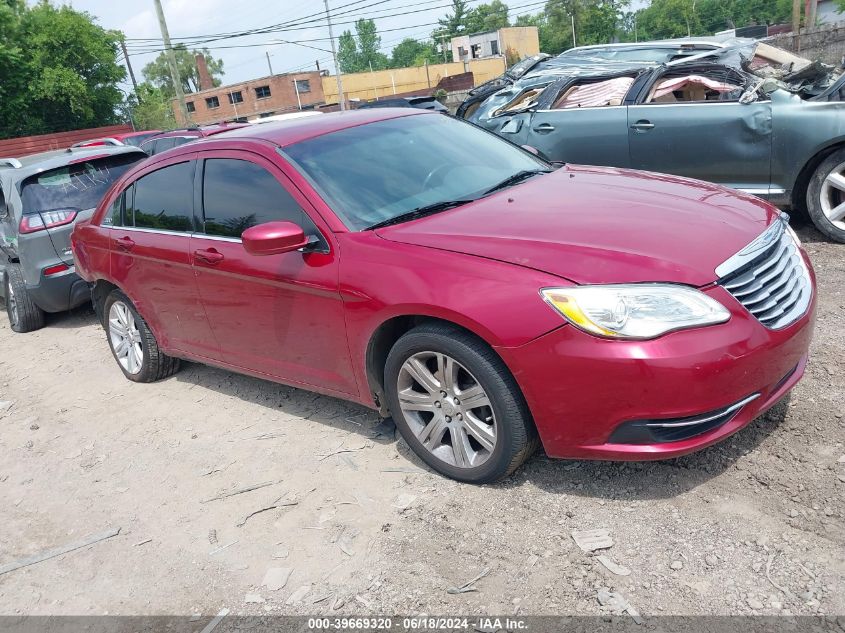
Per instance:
(581,389)
(60,292)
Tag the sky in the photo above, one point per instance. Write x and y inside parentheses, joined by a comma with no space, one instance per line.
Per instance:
(189,18)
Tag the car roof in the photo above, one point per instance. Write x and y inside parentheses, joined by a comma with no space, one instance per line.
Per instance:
(284,133)
(201,131)
(37,163)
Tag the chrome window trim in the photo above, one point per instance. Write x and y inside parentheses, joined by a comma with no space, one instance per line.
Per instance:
(768,237)
(140,229)
(763,192)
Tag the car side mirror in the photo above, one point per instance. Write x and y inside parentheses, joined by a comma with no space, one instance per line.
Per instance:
(273,238)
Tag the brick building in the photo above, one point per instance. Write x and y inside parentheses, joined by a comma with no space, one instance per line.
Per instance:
(252,99)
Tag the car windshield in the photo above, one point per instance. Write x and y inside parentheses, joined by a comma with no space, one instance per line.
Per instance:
(78,186)
(373,173)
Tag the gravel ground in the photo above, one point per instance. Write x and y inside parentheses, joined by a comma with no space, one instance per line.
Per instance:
(357,525)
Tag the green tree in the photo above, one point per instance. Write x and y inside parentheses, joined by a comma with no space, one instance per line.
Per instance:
(411,52)
(681,18)
(58,70)
(157,72)
(150,108)
(360,52)
(454,23)
(487,17)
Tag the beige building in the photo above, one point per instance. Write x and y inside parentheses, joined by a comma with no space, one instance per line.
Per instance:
(513,43)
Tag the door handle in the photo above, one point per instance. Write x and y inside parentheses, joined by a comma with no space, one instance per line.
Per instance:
(544,127)
(209,256)
(125,243)
(642,125)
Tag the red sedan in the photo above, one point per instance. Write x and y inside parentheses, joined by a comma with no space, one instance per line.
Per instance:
(483,298)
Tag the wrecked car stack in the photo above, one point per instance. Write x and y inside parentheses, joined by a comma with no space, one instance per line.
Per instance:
(736,112)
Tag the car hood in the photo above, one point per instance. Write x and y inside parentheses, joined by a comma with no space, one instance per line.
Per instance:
(595,225)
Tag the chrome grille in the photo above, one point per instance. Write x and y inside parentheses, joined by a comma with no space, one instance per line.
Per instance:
(773,284)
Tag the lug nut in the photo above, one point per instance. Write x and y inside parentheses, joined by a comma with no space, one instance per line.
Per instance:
(437,404)
(443,393)
(448,419)
(457,401)
(460,417)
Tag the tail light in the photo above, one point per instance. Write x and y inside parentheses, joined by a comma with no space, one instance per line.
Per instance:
(46,220)
(55,270)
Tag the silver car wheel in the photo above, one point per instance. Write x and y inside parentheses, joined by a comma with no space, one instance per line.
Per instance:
(12,302)
(447,409)
(833,197)
(125,338)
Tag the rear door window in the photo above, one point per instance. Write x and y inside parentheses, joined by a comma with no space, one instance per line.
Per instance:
(76,187)
(163,199)
(238,194)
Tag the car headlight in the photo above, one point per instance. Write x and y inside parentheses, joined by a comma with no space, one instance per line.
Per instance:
(635,311)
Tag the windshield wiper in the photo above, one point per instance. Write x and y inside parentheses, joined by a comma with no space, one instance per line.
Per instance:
(517,178)
(420,212)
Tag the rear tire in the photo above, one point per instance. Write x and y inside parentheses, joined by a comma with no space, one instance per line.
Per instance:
(24,315)
(132,343)
(826,196)
(457,405)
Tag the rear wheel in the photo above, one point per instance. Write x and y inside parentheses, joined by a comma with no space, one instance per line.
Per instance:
(24,315)
(132,342)
(826,196)
(457,405)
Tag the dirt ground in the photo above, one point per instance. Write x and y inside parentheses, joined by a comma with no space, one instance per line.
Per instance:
(751,526)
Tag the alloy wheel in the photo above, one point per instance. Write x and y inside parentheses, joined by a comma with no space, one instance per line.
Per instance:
(447,409)
(12,304)
(125,337)
(833,197)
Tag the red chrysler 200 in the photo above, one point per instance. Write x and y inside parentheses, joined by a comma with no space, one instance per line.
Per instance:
(485,299)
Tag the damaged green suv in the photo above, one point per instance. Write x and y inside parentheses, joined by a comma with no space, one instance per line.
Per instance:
(739,113)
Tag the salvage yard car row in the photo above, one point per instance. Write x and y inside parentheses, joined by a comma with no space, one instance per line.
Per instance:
(486,299)
(742,114)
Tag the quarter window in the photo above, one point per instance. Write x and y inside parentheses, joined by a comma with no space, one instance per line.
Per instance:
(164,199)
(238,194)
(115,216)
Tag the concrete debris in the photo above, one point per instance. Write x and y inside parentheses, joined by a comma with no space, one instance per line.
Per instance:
(592,540)
(617,604)
(276,577)
(254,598)
(613,567)
(298,596)
(404,501)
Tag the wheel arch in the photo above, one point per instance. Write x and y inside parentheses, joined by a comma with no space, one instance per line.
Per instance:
(802,182)
(101,289)
(385,335)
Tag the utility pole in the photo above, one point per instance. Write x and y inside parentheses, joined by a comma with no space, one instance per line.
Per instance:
(129,65)
(171,61)
(268,61)
(340,98)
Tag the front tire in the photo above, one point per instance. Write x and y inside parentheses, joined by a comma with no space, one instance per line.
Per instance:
(457,405)
(132,343)
(826,196)
(24,315)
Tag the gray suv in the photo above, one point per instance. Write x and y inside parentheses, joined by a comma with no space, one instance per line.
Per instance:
(42,196)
